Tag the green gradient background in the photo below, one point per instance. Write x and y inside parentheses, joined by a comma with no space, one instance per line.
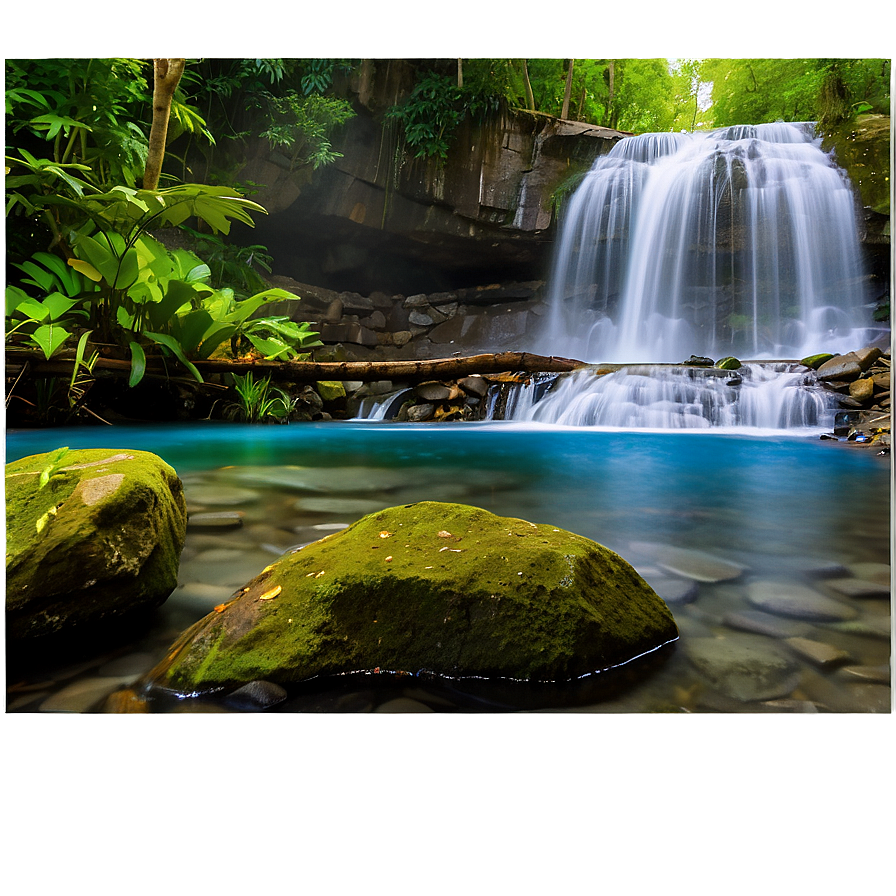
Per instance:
(517,805)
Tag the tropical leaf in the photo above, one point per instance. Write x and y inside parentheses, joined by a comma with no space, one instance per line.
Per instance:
(49,338)
(87,269)
(138,363)
(172,345)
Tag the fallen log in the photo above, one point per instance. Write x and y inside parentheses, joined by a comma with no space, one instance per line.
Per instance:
(311,371)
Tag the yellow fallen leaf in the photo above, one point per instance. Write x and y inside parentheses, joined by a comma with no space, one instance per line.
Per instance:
(220,608)
(319,574)
(272,593)
(444,534)
(385,534)
(388,559)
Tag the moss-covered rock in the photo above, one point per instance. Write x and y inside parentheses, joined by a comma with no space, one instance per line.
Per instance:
(445,589)
(728,363)
(862,147)
(815,361)
(98,542)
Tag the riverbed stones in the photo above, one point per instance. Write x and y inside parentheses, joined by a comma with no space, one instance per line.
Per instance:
(692,564)
(797,600)
(745,669)
(859,588)
(819,653)
(840,367)
(446,588)
(97,544)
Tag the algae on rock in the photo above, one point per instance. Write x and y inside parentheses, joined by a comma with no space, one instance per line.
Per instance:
(444,589)
(99,541)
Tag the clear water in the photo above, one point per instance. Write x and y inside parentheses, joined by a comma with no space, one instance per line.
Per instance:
(740,241)
(788,508)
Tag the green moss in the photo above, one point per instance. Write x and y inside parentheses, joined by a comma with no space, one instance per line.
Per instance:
(815,361)
(102,537)
(330,390)
(862,148)
(447,588)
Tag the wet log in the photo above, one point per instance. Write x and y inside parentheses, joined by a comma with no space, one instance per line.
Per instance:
(311,371)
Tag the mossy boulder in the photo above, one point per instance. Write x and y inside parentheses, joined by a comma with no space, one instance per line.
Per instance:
(728,364)
(862,147)
(94,540)
(442,589)
(815,361)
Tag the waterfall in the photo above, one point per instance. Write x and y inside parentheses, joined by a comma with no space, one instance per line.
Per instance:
(757,396)
(740,241)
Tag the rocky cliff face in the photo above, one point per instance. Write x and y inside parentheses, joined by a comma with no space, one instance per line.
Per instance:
(378,219)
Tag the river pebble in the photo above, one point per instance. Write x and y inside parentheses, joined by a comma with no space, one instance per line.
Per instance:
(256,695)
(800,601)
(745,670)
(871,674)
(824,655)
(766,624)
(353,506)
(222,519)
(218,495)
(877,627)
(789,705)
(872,572)
(859,588)
(81,695)
(691,564)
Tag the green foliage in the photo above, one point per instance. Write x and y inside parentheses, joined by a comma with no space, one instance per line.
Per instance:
(258,401)
(430,115)
(55,461)
(231,265)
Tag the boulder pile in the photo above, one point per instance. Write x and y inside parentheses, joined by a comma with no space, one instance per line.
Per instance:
(861,380)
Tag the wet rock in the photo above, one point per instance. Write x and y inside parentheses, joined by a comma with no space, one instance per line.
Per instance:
(840,367)
(215,520)
(420,412)
(692,564)
(728,364)
(474,385)
(797,600)
(447,588)
(421,319)
(745,670)
(98,543)
(824,655)
(433,391)
(867,356)
(862,390)
(401,337)
(766,624)
(858,588)
(869,627)
(256,695)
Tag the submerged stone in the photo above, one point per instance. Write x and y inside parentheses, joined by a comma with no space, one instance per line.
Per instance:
(440,590)
(99,542)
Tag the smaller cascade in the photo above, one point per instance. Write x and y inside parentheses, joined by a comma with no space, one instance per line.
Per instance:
(780,397)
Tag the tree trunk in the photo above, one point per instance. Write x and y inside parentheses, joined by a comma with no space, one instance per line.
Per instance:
(530,98)
(460,74)
(311,371)
(166,77)
(564,113)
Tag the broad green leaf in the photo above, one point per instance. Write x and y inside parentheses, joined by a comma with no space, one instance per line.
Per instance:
(57,304)
(125,318)
(49,338)
(100,257)
(172,345)
(213,337)
(270,348)
(79,358)
(14,298)
(177,294)
(129,268)
(33,310)
(191,328)
(138,363)
(200,272)
(59,267)
(40,276)
(87,269)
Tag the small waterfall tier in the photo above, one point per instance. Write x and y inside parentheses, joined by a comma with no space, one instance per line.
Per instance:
(757,396)
(740,241)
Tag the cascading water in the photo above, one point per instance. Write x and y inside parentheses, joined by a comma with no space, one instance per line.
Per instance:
(740,241)
(757,397)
